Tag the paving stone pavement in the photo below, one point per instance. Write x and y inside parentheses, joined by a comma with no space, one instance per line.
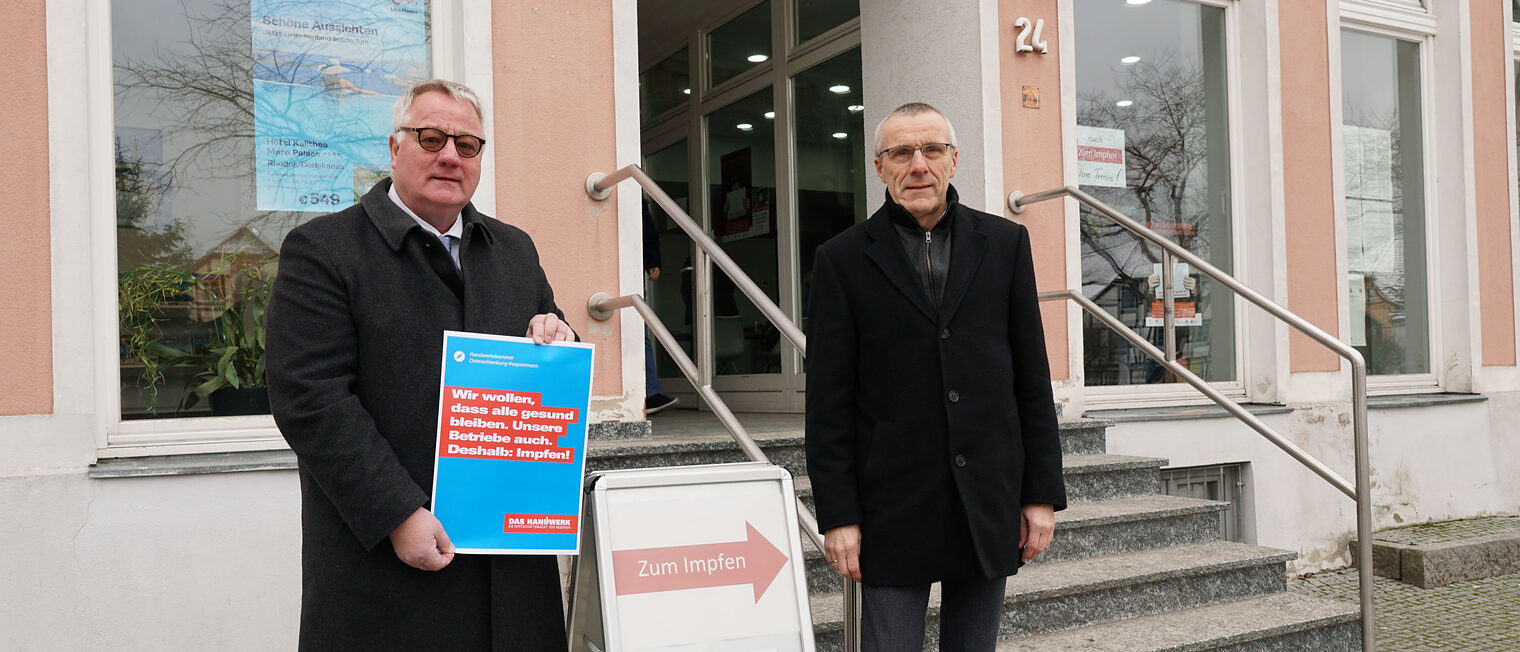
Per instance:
(1477,615)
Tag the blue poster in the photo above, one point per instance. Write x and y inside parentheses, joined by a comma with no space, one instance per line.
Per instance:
(325,76)
(511,443)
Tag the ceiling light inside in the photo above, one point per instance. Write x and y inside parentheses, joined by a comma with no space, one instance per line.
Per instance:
(1124,103)
(757,58)
(855,108)
(1130,59)
(839,88)
(1137,2)
(841,135)
(745,126)
(686,91)
(770,115)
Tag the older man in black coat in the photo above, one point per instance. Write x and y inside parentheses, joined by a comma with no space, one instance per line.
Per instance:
(932,441)
(355,346)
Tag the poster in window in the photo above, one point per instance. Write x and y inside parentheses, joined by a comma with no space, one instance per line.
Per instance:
(325,76)
(746,209)
(1100,157)
(1184,287)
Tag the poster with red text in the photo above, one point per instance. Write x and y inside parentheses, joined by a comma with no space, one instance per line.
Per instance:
(511,444)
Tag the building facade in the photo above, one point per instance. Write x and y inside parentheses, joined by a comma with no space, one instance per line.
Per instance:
(1353,160)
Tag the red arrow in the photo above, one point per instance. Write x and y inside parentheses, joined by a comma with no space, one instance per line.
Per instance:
(753,561)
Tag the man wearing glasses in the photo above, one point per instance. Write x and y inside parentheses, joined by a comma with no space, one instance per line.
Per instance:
(355,336)
(932,441)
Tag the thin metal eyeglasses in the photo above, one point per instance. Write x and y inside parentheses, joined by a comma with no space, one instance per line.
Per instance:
(904,153)
(433,140)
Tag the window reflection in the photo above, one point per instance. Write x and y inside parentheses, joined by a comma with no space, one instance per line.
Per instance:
(1385,202)
(815,17)
(830,140)
(671,294)
(665,86)
(1152,141)
(196,241)
(740,44)
(741,172)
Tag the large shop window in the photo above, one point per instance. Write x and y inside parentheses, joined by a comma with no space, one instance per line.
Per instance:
(235,121)
(1153,142)
(1385,202)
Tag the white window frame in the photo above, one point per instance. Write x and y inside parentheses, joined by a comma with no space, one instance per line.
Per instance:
(1108,397)
(1391,20)
(461,50)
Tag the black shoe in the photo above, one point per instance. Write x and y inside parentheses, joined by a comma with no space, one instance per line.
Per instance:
(657,402)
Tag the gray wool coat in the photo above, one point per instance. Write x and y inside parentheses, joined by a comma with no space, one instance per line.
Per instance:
(355,336)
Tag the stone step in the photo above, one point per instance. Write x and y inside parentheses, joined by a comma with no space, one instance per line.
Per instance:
(1281,621)
(1437,554)
(1073,594)
(1094,477)
(1106,527)
(1084,436)
(783,449)
(1063,595)
(1088,478)
(1089,530)
(692,439)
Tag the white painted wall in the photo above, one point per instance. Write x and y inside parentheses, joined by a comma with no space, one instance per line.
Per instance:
(1428,464)
(202,562)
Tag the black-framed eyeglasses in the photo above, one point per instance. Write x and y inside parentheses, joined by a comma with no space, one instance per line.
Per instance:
(433,140)
(904,153)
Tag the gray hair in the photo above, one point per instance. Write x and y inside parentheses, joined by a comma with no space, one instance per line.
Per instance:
(453,89)
(913,108)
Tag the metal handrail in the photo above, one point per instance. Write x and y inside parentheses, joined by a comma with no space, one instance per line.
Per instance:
(601,306)
(1360,492)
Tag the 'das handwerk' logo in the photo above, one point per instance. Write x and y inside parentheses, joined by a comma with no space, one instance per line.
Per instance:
(459,356)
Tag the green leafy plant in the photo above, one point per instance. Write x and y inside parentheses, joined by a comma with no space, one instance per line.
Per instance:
(143,296)
(237,296)
(231,299)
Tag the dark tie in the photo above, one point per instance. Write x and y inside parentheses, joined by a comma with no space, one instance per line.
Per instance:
(451,244)
(437,255)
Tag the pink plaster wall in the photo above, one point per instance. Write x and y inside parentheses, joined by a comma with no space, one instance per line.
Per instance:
(1491,178)
(554,125)
(1032,158)
(26,305)
(1309,204)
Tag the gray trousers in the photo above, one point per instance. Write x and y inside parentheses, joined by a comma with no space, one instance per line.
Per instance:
(892,617)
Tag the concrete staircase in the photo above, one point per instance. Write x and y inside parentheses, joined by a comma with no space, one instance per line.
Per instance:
(1129,569)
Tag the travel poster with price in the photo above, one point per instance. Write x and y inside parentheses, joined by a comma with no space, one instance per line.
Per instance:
(511,443)
(324,77)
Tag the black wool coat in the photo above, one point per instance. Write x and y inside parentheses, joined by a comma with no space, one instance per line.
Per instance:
(930,429)
(355,340)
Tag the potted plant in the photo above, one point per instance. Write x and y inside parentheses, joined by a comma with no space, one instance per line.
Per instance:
(232,299)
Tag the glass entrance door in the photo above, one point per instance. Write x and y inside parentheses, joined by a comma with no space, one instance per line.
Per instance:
(759,130)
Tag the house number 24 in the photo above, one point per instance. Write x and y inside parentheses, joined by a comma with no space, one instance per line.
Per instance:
(1026,30)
